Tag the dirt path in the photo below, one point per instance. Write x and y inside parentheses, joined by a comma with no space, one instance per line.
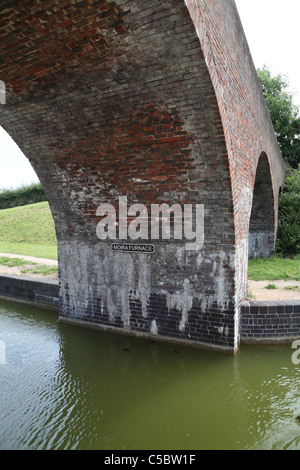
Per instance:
(285,290)
(48,262)
(25,269)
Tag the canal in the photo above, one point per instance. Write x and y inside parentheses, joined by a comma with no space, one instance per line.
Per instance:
(65,387)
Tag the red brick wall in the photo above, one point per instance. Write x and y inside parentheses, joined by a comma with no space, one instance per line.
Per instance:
(247,125)
(158,102)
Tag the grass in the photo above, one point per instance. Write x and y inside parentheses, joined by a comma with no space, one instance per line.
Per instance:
(41,269)
(40,251)
(271,287)
(12,262)
(32,267)
(274,268)
(28,230)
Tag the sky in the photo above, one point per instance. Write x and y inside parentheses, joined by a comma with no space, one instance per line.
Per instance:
(272,31)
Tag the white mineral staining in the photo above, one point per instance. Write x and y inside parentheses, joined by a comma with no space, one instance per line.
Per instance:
(182,301)
(153,328)
(117,279)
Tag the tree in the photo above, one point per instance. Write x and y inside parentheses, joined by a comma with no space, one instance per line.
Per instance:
(284,114)
(288,240)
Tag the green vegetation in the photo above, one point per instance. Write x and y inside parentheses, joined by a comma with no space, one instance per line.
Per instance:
(274,268)
(288,240)
(286,122)
(28,230)
(12,262)
(31,267)
(271,287)
(41,269)
(284,114)
(292,288)
(40,251)
(22,196)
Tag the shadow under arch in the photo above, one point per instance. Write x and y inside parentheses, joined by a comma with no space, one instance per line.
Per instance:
(262,234)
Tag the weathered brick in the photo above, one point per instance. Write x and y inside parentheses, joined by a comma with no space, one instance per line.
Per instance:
(158,101)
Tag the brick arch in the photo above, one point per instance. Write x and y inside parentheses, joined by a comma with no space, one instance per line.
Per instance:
(262,220)
(156,101)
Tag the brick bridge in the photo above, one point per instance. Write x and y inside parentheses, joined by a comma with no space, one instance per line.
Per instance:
(159,102)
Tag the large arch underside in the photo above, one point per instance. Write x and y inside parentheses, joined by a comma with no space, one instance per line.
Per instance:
(119,98)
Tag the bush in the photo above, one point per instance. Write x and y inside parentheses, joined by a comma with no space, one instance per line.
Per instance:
(288,240)
(22,196)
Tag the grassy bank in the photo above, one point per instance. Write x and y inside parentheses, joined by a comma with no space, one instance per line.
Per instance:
(28,230)
(274,268)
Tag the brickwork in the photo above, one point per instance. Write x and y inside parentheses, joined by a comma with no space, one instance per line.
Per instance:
(270,321)
(38,292)
(158,101)
(263,322)
(246,121)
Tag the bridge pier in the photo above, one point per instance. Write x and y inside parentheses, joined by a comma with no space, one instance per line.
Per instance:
(171,294)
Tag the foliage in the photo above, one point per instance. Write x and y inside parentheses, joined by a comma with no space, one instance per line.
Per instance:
(284,114)
(288,239)
(22,196)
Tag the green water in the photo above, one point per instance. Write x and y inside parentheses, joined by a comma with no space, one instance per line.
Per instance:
(65,387)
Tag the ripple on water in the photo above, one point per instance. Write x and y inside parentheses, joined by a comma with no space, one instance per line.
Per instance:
(65,387)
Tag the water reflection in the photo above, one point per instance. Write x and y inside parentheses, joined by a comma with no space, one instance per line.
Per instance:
(65,387)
